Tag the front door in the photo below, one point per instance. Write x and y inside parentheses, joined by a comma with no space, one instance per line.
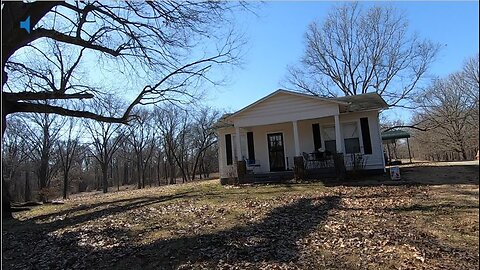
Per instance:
(275,152)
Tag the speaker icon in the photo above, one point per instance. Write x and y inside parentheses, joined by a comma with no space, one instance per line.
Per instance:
(26,24)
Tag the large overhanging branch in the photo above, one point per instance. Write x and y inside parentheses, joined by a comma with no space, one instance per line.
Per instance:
(407,126)
(12,100)
(12,13)
(420,125)
(41,32)
(149,89)
(27,95)
(44,108)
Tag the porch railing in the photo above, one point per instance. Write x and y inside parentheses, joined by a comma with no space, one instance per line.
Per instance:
(314,161)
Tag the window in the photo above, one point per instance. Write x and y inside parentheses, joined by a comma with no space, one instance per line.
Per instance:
(331,146)
(328,133)
(350,137)
(352,146)
(228,147)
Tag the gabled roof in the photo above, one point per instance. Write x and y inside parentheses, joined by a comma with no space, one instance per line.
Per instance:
(356,103)
(283,91)
(223,122)
(364,102)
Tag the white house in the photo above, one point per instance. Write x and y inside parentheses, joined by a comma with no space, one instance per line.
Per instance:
(270,132)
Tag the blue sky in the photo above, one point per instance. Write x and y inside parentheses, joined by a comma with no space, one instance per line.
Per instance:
(276,39)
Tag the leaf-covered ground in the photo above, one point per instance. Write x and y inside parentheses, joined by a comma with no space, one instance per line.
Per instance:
(428,221)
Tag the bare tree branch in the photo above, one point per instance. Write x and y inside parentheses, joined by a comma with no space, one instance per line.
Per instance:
(42,108)
(356,51)
(44,95)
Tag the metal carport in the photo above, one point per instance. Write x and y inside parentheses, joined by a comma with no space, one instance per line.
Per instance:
(393,135)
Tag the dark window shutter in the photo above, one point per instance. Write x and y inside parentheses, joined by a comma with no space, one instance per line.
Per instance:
(228,146)
(251,148)
(367,143)
(317,141)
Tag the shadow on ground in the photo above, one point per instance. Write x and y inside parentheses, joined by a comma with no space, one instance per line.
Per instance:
(417,176)
(273,238)
(33,244)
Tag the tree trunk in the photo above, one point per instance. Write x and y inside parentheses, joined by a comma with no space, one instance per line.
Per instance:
(65,185)
(139,174)
(117,173)
(125,174)
(105,177)
(463,152)
(6,206)
(196,165)
(158,172)
(42,176)
(166,172)
(98,179)
(143,178)
(28,193)
(172,174)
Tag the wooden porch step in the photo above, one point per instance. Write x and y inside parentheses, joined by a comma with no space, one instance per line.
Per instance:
(275,177)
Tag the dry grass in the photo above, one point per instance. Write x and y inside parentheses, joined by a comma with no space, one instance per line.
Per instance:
(205,225)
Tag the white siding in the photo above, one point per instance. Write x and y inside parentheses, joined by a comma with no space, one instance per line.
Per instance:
(374,161)
(225,170)
(283,108)
(261,145)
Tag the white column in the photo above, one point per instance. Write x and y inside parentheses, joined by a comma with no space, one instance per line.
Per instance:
(295,139)
(237,142)
(338,134)
(381,142)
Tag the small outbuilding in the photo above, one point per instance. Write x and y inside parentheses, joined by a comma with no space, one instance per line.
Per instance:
(389,137)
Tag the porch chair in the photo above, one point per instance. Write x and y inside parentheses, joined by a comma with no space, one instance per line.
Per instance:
(252,164)
(307,160)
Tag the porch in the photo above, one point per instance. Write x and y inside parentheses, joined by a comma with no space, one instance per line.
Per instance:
(273,148)
(298,134)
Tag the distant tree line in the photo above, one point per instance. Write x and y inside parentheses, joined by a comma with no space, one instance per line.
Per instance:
(77,54)
(46,156)
(445,125)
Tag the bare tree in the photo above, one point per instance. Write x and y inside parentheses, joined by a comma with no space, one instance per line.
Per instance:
(170,121)
(141,137)
(124,161)
(182,139)
(68,152)
(15,158)
(209,161)
(450,109)
(355,51)
(470,76)
(204,136)
(106,138)
(14,148)
(154,36)
(44,133)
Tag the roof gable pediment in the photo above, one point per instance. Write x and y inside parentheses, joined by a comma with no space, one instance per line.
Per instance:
(283,99)
(285,106)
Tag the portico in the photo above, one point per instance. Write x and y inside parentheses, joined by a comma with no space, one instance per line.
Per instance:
(268,134)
